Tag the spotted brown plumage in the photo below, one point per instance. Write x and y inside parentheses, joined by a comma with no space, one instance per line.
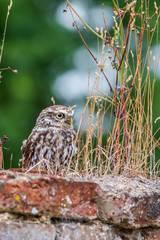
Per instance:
(51,144)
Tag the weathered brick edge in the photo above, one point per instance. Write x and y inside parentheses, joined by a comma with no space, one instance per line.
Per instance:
(124,202)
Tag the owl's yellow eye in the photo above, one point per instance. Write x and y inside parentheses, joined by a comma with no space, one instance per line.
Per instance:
(60,115)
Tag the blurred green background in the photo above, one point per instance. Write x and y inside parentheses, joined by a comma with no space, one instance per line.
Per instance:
(51,60)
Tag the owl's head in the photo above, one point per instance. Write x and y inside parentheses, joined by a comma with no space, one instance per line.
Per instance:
(56,116)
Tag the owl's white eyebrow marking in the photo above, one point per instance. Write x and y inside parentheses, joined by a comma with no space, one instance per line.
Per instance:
(49,110)
(64,111)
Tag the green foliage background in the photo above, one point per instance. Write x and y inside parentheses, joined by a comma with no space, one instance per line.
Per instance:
(41,50)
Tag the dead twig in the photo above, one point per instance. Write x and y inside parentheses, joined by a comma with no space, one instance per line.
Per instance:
(5,28)
(95,59)
(1,152)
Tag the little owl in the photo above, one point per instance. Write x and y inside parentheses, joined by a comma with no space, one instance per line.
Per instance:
(51,144)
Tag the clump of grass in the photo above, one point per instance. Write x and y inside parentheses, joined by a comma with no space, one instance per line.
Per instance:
(125,144)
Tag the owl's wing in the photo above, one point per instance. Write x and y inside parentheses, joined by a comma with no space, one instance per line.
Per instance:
(26,153)
(28,149)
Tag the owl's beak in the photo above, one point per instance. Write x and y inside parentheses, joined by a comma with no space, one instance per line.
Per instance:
(70,121)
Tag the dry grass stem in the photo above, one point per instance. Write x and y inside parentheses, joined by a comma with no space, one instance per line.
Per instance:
(115,134)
